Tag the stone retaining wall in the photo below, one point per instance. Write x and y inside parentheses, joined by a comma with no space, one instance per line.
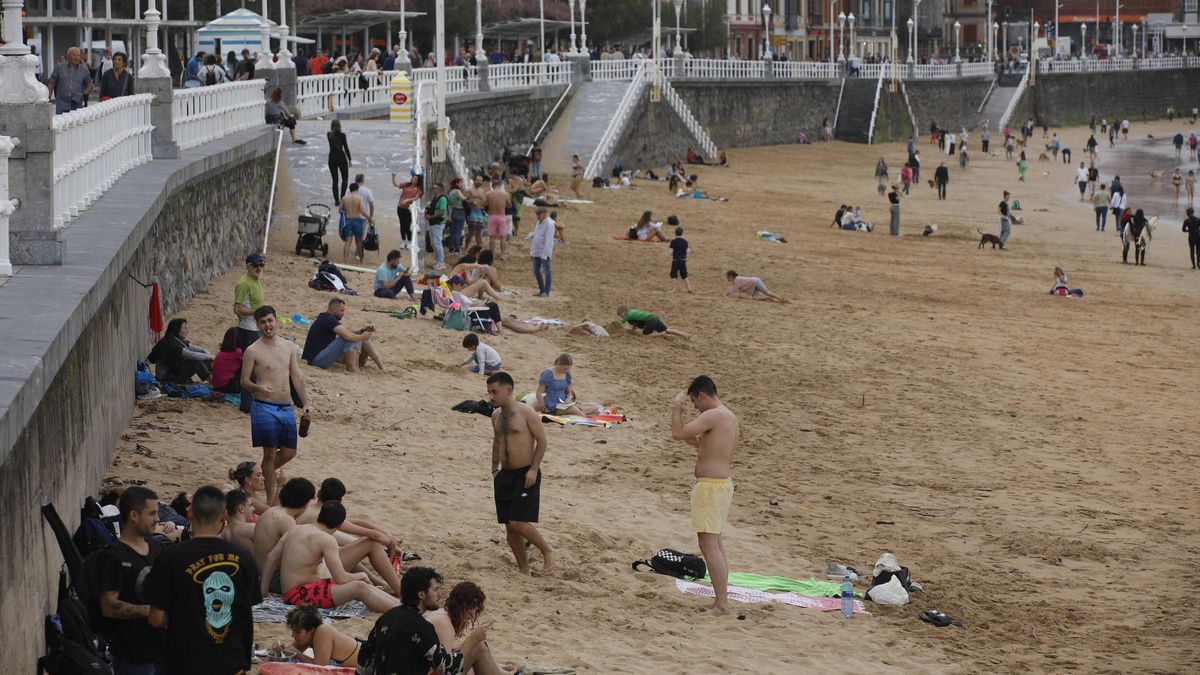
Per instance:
(1070,99)
(741,114)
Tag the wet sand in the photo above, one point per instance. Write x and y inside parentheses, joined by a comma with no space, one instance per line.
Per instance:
(1031,459)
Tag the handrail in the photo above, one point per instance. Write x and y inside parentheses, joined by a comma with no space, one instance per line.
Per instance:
(455,153)
(693,125)
(988,95)
(7,206)
(549,117)
(838,111)
(875,109)
(1012,104)
(203,114)
(624,109)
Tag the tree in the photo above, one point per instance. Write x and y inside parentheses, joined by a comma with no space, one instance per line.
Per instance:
(708,18)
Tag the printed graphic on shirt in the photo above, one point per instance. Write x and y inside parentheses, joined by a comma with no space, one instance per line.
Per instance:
(215,575)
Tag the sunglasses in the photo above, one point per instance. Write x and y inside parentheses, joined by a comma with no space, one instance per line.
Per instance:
(258,265)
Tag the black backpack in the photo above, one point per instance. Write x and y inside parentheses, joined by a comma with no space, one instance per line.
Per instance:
(371,241)
(210,78)
(672,563)
(71,648)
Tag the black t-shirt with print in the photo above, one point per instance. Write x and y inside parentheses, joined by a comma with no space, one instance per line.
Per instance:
(1004,209)
(207,587)
(124,570)
(404,643)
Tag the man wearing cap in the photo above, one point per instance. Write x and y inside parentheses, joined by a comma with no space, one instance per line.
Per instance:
(247,297)
(1191,225)
(540,250)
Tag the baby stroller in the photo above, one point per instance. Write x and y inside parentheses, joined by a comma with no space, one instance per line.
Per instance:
(310,229)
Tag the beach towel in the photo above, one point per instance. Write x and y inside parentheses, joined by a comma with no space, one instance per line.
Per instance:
(576,201)
(274,610)
(771,236)
(156,317)
(644,241)
(531,668)
(302,669)
(760,582)
(545,322)
(603,421)
(754,596)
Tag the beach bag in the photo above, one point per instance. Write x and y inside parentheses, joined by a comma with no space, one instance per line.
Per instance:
(890,593)
(456,319)
(371,241)
(672,563)
(71,646)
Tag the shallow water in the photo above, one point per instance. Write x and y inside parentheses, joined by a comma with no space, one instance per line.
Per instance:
(1134,159)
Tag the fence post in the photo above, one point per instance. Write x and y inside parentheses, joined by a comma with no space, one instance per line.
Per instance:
(7,206)
(154,78)
(481,72)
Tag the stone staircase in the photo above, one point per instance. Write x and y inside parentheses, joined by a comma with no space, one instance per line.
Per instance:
(582,124)
(858,105)
(997,103)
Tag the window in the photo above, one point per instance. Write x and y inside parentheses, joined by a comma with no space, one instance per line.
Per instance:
(887,11)
(867,6)
(1189,5)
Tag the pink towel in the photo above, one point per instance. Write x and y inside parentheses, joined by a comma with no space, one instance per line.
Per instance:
(758,597)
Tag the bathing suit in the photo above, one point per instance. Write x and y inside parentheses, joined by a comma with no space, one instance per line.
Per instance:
(711,498)
(317,593)
(515,502)
(497,226)
(272,425)
(354,227)
(476,218)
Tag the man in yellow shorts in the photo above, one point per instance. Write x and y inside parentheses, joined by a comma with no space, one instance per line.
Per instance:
(715,432)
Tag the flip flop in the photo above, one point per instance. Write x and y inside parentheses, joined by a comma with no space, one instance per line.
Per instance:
(939,619)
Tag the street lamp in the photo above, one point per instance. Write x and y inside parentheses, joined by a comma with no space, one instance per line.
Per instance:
(1135,44)
(264,49)
(678,41)
(842,38)
(480,57)
(766,12)
(574,49)
(542,27)
(995,39)
(833,32)
(1117,28)
(916,27)
(957,39)
(583,27)
(285,54)
(850,18)
(1083,40)
(990,45)
(403,33)
(910,39)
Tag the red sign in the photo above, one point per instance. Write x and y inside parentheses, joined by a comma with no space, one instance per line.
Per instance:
(399,98)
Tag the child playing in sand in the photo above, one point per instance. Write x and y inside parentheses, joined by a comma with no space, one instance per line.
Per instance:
(648,323)
(751,286)
(485,358)
(679,254)
(1061,286)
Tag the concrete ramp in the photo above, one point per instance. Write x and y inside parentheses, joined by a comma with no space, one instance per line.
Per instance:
(581,126)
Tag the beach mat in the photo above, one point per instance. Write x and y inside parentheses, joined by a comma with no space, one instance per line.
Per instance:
(754,596)
(274,610)
(302,669)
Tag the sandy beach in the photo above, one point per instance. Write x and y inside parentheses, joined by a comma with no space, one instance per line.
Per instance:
(1031,459)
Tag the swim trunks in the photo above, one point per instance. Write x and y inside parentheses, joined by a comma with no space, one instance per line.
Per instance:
(711,498)
(497,226)
(515,502)
(354,227)
(476,218)
(678,269)
(318,593)
(272,425)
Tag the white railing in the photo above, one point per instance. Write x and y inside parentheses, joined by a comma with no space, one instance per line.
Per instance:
(707,147)
(7,206)
(869,70)
(945,71)
(598,163)
(423,112)
(1161,64)
(808,70)
(977,69)
(204,114)
(459,79)
(1016,98)
(1060,67)
(717,69)
(522,75)
(608,71)
(875,107)
(93,147)
(455,152)
(337,92)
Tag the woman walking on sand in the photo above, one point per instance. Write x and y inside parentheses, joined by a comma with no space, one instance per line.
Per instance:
(576,176)
(1022,167)
(1176,181)
(881,175)
(894,199)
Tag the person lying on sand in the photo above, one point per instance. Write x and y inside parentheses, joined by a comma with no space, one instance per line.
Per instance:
(309,631)
(298,554)
(648,323)
(751,286)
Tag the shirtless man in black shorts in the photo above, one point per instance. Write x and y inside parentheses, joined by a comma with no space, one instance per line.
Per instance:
(518,445)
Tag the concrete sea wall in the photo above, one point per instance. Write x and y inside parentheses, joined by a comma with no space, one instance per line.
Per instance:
(741,114)
(953,105)
(1069,99)
(72,334)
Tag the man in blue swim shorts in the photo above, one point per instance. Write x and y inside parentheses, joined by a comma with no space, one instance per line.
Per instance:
(356,222)
(273,364)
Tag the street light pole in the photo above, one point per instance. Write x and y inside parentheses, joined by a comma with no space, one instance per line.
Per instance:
(583,27)
(264,53)
(403,33)
(916,30)
(1135,42)
(678,40)
(574,49)
(766,12)
(1117,28)
(833,32)
(842,37)
(991,48)
(850,18)
(957,39)
(1083,39)
(541,27)
(910,39)
(480,57)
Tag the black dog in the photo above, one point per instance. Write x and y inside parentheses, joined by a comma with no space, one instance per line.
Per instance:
(989,239)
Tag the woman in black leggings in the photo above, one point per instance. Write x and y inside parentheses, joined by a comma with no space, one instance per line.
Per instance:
(339,160)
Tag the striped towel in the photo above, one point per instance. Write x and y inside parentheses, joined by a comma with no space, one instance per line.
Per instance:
(759,597)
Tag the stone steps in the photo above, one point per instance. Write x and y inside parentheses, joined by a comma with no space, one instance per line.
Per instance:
(580,127)
(858,104)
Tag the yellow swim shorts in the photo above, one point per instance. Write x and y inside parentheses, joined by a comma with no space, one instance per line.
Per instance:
(711,498)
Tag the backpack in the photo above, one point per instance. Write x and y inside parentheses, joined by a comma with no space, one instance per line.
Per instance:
(371,241)
(93,534)
(71,647)
(327,278)
(672,563)
(210,78)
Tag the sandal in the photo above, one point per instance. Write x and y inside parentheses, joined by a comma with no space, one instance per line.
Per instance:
(939,619)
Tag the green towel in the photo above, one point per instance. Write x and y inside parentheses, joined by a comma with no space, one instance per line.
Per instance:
(812,587)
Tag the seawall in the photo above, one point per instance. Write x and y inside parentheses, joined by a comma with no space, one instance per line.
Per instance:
(72,334)
(1069,99)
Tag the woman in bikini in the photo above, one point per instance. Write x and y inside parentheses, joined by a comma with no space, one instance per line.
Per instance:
(576,176)
(458,615)
(249,477)
(1176,182)
(329,646)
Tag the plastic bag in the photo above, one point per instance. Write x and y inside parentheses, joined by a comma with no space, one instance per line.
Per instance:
(890,593)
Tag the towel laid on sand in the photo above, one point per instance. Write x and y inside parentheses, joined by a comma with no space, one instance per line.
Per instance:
(761,582)
(274,610)
(302,669)
(759,597)
(604,421)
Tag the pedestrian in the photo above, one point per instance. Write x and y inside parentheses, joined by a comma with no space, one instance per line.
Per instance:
(70,83)
(679,255)
(1081,179)
(962,157)
(541,249)
(941,177)
(1178,143)
(985,137)
(881,174)
(435,226)
(1022,167)
(1066,155)
(458,214)
(1005,221)
(906,177)
(1100,200)
(915,161)
(1191,225)
(1190,186)
(339,160)
(894,200)
(211,73)
(117,81)
(410,192)
(1118,204)
(247,297)
(1176,182)
(136,646)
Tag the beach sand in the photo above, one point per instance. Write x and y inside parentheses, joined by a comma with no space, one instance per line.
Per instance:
(1031,459)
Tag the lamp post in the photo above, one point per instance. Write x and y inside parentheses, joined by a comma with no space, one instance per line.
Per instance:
(1057,5)
(403,33)
(990,47)
(850,18)
(542,27)
(1004,38)
(995,39)
(1083,40)
(766,12)
(916,30)
(480,56)
(1033,38)
(910,39)
(285,54)
(1135,42)
(842,37)
(264,51)
(583,27)
(574,48)
(957,39)
(678,40)
(832,32)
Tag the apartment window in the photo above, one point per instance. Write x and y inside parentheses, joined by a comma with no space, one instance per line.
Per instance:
(887,11)
(1189,5)
(867,6)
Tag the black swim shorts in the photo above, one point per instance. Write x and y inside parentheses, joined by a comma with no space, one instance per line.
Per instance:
(678,269)
(515,502)
(654,325)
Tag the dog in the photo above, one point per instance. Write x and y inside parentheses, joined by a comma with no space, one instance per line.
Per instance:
(931,184)
(986,238)
(1043,157)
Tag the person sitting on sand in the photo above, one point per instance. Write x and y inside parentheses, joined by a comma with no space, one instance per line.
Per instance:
(488,309)
(309,631)
(648,230)
(1061,286)
(542,192)
(482,267)
(751,286)
(722,159)
(357,539)
(480,288)
(837,217)
(239,531)
(459,612)
(176,360)
(227,365)
(556,391)
(329,341)
(302,549)
(249,477)
(648,323)
(392,277)
(483,359)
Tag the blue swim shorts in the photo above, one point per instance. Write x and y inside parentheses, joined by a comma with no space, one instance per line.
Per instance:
(272,425)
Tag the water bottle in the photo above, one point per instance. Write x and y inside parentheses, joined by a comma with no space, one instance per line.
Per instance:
(847,598)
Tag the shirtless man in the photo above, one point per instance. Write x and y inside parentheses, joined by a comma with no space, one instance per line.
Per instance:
(239,531)
(476,218)
(302,549)
(715,431)
(357,539)
(275,367)
(356,219)
(518,445)
(496,202)
(277,520)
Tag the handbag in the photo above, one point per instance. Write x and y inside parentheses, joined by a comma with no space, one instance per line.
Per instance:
(371,241)
(456,319)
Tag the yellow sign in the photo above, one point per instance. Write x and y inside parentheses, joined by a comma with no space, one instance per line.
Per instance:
(779,40)
(401,109)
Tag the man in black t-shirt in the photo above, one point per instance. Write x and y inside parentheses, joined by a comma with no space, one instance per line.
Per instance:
(329,341)
(1191,225)
(1005,220)
(201,591)
(121,570)
(245,67)
(404,643)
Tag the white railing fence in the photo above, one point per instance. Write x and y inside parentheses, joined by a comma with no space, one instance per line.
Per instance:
(717,69)
(7,206)
(608,71)
(1110,65)
(323,94)
(204,114)
(945,71)
(810,70)
(707,147)
(1012,104)
(459,79)
(977,69)
(93,147)
(522,75)
(598,163)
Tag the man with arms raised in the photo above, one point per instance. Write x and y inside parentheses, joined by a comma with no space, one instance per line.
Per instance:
(121,568)
(715,431)
(275,368)
(277,520)
(403,642)
(302,549)
(518,445)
